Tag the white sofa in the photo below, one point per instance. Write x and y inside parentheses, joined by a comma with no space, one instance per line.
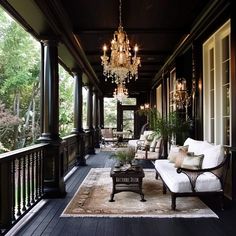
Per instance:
(203,174)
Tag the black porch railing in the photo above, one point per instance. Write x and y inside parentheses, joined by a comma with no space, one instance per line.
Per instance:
(70,150)
(21,175)
(20,183)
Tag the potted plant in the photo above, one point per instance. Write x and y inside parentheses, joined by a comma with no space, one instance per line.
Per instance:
(170,127)
(124,156)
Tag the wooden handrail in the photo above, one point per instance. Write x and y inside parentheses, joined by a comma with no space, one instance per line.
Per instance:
(22,151)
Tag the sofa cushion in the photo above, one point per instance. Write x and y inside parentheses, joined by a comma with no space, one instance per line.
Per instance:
(194,145)
(193,162)
(143,137)
(179,183)
(213,156)
(148,132)
(197,146)
(147,137)
(133,143)
(153,155)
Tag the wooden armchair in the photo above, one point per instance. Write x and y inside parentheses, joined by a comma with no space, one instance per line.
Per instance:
(108,136)
(147,152)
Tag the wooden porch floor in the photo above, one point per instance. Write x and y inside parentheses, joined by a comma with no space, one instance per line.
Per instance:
(47,221)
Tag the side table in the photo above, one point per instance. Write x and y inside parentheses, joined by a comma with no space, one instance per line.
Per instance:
(130,179)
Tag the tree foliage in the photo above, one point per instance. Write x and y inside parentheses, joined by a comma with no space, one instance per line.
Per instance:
(110,112)
(8,122)
(19,88)
(66,105)
(19,84)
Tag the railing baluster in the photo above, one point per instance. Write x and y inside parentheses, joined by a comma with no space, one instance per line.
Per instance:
(37,174)
(24,184)
(28,179)
(33,178)
(19,188)
(40,179)
(13,179)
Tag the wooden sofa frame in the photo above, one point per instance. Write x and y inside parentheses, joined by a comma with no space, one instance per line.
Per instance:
(219,171)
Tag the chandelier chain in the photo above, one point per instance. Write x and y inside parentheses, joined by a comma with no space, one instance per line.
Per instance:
(120,20)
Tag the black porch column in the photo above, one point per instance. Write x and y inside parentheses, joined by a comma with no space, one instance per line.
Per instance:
(78,115)
(91,149)
(95,120)
(53,182)
(164,110)
(197,97)
(101,112)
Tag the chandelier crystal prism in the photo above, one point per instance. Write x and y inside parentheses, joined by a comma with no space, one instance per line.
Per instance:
(121,66)
(121,92)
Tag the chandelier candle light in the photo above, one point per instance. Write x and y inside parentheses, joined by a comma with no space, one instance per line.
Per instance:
(120,66)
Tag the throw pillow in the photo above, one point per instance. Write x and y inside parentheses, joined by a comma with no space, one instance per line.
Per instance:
(180,158)
(142,137)
(150,137)
(153,143)
(192,162)
(213,156)
(174,152)
(148,132)
(194,145)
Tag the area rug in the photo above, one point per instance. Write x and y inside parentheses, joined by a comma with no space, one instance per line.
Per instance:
(92,200)
(111,148)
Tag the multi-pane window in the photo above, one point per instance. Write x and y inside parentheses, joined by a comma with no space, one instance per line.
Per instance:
(217,87)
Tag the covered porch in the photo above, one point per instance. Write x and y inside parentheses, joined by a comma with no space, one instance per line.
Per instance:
(71,33)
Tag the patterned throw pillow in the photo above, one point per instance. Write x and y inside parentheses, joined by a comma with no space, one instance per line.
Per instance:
(193,162)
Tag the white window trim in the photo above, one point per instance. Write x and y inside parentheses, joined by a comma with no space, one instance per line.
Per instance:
(215,42)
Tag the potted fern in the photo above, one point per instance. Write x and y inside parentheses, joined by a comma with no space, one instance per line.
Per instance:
(124,156)
(168,127)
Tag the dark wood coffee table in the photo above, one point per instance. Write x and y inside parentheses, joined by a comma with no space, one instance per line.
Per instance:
(127,180)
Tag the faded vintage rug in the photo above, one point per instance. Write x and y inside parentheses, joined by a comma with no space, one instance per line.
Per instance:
(92,200)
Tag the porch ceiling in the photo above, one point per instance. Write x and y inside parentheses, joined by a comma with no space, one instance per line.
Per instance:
(157,26)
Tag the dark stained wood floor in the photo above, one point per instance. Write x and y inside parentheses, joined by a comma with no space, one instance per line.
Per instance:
(48,222)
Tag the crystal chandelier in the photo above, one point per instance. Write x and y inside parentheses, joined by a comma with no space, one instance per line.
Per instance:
(122,66)
(121,92)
